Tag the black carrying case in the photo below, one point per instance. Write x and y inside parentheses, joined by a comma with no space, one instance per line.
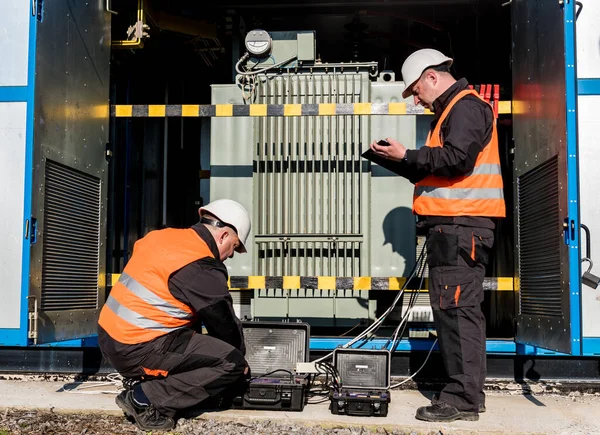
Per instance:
(271,347)
(364,382)
(360,403)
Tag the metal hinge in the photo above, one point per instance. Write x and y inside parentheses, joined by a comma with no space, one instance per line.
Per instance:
(37,9)
(109,152)
(31,230)
(33,321)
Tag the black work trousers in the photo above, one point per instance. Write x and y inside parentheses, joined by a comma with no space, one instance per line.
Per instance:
(456,256)
(179,370)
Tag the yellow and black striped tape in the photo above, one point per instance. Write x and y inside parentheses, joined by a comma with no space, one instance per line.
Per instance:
(262,110)
(338,283)
(345,283)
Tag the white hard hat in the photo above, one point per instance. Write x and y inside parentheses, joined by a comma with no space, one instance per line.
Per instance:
(231,213)
(416,63)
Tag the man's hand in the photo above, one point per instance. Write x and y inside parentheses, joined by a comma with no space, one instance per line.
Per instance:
(395,151)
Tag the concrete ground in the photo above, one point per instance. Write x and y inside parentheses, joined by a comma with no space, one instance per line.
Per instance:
(507,412)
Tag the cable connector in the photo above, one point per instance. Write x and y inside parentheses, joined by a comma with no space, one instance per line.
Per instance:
(307,367)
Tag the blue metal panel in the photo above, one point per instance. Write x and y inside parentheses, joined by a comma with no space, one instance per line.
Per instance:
(15,337)
(526,349)
(13,93)
(91,341)
(591,346)
(411,345)
(573,178)
(588,86)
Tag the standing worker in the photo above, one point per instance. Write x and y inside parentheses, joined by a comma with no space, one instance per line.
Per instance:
(458,194)
(174,283)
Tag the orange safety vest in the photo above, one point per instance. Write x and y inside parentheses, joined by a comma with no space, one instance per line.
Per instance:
(140,306)
(479,193)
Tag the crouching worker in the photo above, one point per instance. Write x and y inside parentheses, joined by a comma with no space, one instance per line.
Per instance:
(150,327)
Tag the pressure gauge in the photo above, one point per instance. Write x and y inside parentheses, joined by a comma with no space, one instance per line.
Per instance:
(258,42)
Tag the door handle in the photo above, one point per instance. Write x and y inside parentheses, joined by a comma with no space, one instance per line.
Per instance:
(588,241)
(31,230)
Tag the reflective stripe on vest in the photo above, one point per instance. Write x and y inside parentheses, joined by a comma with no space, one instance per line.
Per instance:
(458,193)
(151,298)
(135,318)
(478,193)
(487,169)
(140,306)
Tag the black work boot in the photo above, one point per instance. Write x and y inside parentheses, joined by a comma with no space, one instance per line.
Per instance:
(436,398)
(146,417)
(443,412)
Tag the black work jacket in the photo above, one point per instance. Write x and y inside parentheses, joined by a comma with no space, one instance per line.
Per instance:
(466,130)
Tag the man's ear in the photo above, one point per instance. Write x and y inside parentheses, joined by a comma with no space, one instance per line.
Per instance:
(223,236)
(431,76)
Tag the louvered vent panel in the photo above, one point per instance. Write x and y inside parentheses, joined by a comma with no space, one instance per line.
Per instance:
(539,241)
(71,239)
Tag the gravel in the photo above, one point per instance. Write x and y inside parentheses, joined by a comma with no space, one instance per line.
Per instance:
(14,421)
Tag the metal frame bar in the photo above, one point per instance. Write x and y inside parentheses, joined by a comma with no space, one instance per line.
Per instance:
(293,238)
(503,363)
(588,86)
(493,346)
(10,94)
(134,43)
(573,177)
(90,341)
(18,337)
(591,346)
